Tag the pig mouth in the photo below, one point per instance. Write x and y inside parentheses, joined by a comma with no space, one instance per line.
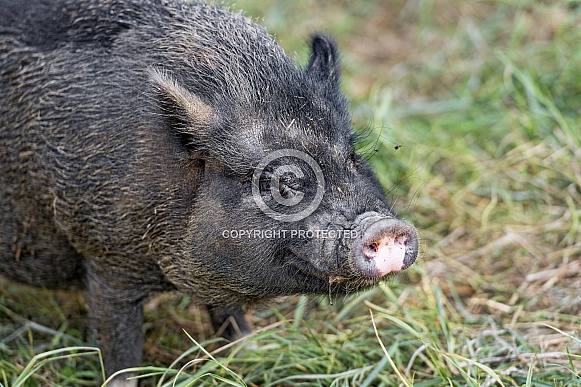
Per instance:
(321,281)
(304,266)
(344,279)
(315,280)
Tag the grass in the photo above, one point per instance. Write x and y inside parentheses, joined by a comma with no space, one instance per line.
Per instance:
(483,100)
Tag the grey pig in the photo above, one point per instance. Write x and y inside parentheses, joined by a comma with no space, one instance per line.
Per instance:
(151,146)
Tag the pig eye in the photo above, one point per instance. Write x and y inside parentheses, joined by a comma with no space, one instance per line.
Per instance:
(290,181)
(287,185)
(286,191)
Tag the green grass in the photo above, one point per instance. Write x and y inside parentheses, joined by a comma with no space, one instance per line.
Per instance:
(483,98)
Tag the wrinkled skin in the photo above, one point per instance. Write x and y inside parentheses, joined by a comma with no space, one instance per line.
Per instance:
(130,133)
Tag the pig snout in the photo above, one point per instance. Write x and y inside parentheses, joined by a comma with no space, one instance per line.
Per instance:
(385,245)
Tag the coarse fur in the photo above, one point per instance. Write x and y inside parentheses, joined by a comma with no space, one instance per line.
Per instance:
(129,133)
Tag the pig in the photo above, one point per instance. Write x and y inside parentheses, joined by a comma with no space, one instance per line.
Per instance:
(156,145)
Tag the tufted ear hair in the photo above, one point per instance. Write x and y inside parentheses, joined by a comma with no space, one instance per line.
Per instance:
(190,118)
(324,60)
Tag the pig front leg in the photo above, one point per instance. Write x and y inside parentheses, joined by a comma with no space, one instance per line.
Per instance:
(117,319)
(230,323)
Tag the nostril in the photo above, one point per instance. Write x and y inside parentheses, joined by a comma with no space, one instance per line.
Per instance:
(402,239)
(370,250)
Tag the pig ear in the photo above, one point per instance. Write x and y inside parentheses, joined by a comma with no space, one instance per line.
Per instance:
(185,113)
(324,60)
